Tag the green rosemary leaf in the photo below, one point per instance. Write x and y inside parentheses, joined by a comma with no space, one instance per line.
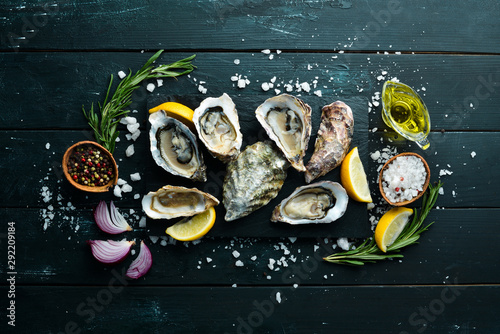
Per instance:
(115,105)
(368,252)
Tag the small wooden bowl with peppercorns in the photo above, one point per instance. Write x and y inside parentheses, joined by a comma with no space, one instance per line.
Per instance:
(90,167)
(408,180)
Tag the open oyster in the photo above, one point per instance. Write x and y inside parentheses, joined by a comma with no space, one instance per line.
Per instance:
(287,121)
(172,202)
(216,121)
(321,202)
(174,147)
(253,179)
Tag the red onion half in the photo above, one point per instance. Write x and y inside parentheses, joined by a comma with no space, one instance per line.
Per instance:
(110,220)
(109,251)
(141,265)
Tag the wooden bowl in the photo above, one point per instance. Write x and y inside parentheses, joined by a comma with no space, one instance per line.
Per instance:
(424,188)
(83,187)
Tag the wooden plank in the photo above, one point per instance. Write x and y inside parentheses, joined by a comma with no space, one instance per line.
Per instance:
(114,307)
(287,25)
(457,246)
(56,85)
(35,167)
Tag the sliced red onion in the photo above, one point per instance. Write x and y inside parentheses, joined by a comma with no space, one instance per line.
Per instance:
(141,265)
(110,251)
(110,220)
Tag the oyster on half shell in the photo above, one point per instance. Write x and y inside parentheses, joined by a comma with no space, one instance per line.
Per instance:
(218,127)
(171,202)
(287,121)
(253,179)
(321,202)
(174,147)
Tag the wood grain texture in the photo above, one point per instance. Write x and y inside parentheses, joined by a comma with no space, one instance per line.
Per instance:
(437,309)
(458,245)
(245,25)
(47,90)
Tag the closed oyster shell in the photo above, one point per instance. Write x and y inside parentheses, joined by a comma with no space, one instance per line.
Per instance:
(218,127)
(171,202)
(253,179)
(317,203)
(174,147)
(287,121)
(333,141)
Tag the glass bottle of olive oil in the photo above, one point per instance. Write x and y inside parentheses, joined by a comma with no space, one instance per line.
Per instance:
(404,111)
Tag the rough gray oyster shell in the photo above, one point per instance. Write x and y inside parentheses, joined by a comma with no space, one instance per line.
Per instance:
(253,179)
(333,141)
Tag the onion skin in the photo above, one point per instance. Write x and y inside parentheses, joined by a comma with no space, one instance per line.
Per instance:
(110,251)
(141,265)
(110,220)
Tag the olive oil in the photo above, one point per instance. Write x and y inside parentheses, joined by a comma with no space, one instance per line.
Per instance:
(404,111)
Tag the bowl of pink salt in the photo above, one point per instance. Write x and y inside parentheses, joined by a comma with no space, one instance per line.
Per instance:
(404,178)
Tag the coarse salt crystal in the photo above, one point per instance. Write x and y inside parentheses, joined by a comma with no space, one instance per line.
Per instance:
(343,243)
(241,83)
(47,146)
(150,87)
(239,263)
(253,258)
(135,176)
(130,151)
(126,188)
(305,86)
(403,178)
(122,74)
(121,182)
(472,154)
(265,86)
(159,82)
(236,254)
(133,127)
(266,51)
(117,191)
(142,222)
(236,61)
(209,259)
(271,263)
(278,297)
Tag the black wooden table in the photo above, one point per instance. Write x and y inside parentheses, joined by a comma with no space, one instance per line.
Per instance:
(56,56)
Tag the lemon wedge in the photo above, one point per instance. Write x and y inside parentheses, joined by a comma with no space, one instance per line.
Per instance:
(193,228)
(390,226)
(176,110)
(353,177)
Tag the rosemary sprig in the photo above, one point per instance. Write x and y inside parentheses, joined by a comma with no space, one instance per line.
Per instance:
(104,125)
(369,252)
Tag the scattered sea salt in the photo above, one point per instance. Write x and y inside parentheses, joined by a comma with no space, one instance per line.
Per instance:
(473,154)
(266,51)
(130,151)
(150,87)
(121,74)
(265,86)
(236,254)
(209,259)
(239,263)
(343,243)
(47,146)
(121,182)
(278,297)
(159,82)
(142,222)
(271,264)
(135,176)
(236,61)
(117,191)
(126,188)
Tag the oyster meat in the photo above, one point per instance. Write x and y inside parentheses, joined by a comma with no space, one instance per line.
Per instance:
(321,202)
(287,121)
(218,127)
(333,141)
(253,179)
(174,147)
(171,202)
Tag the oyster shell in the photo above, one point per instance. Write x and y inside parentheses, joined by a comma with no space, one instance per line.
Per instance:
(320,202)
(171,202)
(253,179)
(174,147)
(287,121)
(333,141)
(218,127)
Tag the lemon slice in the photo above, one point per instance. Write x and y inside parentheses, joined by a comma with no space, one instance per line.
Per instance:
(176,110)
(353,177)
(390,226)
(193,228)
